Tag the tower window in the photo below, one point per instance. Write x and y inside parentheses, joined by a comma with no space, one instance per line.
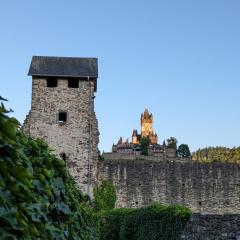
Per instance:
(62,117)
(51,82)
(73,83)
(63,156)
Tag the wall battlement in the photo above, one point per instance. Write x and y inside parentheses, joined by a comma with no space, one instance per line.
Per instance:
(203,187)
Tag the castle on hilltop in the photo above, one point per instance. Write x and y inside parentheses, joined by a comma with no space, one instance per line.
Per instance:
(134,147)
(146,129)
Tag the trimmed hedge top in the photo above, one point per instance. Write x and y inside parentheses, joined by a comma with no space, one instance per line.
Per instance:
(154,222)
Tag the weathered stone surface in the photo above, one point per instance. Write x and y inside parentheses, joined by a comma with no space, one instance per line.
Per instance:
(203,187)
(78,137)
(213,227)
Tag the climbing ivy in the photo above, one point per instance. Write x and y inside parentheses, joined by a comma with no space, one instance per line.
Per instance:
(104,196)
(38,197)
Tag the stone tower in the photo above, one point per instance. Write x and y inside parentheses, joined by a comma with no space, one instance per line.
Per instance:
(146,127)
(62,112)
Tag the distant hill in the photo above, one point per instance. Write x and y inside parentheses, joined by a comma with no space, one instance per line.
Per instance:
(211,154)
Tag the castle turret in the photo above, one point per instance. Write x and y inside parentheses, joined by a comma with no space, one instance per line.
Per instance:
(135,137)
(62,112)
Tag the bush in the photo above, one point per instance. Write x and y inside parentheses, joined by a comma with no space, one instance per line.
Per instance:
(38,197)
(111,222)
(154,222)
(104,196)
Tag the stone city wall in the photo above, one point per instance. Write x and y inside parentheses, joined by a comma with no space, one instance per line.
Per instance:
(213,227)
(203,187)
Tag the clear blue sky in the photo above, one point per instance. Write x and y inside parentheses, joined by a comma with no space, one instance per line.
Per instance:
(181,59)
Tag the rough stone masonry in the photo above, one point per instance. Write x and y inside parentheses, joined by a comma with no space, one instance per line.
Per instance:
(62,112)
(209,188)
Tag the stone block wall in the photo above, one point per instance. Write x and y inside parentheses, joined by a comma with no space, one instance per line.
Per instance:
(203,187)
(213,227)
(78,137)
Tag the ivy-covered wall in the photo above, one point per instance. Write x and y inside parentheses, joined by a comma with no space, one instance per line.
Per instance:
(203,187)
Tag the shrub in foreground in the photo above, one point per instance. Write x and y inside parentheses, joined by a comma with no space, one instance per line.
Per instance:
(111,222)
(154,222)
(38,197)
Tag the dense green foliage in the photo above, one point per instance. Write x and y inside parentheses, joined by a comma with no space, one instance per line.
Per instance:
(183,151)
(111,222)
(104,196)
(144,142)
(154,222)
(223,154)
(172,142)
(38,198)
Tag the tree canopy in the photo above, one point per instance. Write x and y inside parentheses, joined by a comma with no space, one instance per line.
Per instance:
(183,151)
(211,154)
(172,142)
(144,142)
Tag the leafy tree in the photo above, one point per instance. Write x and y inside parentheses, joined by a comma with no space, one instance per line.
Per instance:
(183,151)
(144,142)
(172,142)
(104,196)
(223,154)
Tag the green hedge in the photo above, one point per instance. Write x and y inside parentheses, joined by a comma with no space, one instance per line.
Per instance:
(154,222)
(38,198)
(111,222)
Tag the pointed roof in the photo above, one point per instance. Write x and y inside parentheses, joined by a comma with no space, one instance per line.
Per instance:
(134,132)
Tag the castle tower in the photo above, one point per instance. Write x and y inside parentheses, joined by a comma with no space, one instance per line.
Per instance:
(62,112)
(135,137)
(146,127)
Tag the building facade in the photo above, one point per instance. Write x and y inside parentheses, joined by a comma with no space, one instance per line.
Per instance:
(62,112)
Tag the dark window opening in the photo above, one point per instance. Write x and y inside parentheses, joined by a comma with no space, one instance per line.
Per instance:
(52,82)
(63,156)
(200,203)
(62,117)
(73,83)
(136,203)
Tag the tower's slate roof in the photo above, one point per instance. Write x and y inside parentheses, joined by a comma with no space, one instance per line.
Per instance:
(63,67)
